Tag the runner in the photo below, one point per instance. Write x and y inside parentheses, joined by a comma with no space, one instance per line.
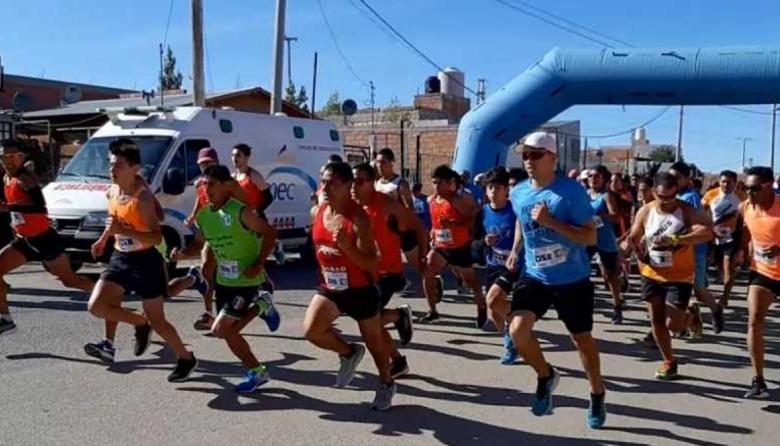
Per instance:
(381,210)
(760,224)
(499,222)
(722,205)
(557,224)
(33,239)
(346,253)
(663,236)
(241,242)
(605,206)
(682,172)
(452,216)
(135,265)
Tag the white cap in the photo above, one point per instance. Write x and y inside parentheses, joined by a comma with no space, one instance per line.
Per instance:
(584,174)
(541,140)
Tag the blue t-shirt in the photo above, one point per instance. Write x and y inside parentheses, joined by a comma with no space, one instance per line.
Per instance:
(691,197)
(476,191)
(605,229)
(422,210)
(500,222)
(549,256)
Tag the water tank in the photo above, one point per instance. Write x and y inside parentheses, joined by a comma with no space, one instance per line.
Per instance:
(432,85)
(640,135)
(452,81)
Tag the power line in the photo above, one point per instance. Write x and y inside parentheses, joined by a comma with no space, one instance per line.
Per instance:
(412,47)
(745,110)
(168,23)
(624,132)
(338,47)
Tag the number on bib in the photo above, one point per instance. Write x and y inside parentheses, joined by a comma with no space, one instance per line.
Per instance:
(761,257)
(125,244)
(229,269)
(336,280)
(661,259)
(443,236)
(500,256)
(723,235)
(17,219)
(548,256)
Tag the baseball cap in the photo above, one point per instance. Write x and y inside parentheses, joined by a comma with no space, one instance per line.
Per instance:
(207,154)
(584,174)
(541,140)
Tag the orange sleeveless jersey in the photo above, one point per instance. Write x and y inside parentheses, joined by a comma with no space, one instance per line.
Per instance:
(388,242)
(449,229)
(764,227)
(26,221)
(254,197)
(129,214)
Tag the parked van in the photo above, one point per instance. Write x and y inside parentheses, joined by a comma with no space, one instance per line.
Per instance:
(287,151)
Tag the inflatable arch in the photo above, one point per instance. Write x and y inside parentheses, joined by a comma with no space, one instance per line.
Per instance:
(563,78)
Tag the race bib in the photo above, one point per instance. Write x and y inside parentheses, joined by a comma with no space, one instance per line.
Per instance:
(661,259)
(229,269)
(336,280)
(443,236)
(500,256)
(763,258)
(125,244)
(17,219)
(599,222)
(548,256)
(723,235)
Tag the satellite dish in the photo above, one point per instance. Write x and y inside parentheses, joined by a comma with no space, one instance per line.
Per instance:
(349,107)
(72,94)
(21,102)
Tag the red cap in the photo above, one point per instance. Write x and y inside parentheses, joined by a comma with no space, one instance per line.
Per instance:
(207,154)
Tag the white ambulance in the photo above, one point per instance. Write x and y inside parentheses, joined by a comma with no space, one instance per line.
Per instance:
(287,151)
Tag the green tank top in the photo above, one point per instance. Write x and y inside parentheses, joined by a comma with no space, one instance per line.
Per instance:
(235,247)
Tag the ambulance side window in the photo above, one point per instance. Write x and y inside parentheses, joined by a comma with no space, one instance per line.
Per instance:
(186,158)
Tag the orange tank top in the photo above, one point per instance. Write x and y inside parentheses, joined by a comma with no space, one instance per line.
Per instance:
(388,242)
(450,231)
(254,197)
(201,196)
(27,208)
(764,227)
(337,271)
(675,265)
(128,213)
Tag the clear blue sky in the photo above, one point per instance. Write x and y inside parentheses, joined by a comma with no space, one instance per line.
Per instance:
(115,43)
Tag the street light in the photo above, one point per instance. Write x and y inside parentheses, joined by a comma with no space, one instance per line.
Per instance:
(744,143)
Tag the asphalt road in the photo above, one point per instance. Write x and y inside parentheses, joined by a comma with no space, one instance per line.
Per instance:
(52,393)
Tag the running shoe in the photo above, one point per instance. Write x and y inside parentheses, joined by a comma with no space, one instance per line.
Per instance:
(439,288)
(267,311)
(617,316)
(399,367)
(349,365)
(252,380)
(597,411)
(510,352)
(143,337)
(7,326)
(697,327)
(428,318)
(542,403)
(404,324)
(183,369)
(668,371)
(384,397)
(718,321)
(758,389)
(204,322)
(200,283)
(103,350)
(481,317)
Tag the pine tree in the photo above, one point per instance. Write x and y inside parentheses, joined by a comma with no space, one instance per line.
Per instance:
(332,106)
(302,100)
(171,78)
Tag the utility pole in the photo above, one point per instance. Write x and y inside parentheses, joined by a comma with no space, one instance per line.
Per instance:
(289,40)
(772,145)
(276,91)
(744,145)
(162,87)
(313,88)
(678,153)
(372,136)
(198,84)
(480,91)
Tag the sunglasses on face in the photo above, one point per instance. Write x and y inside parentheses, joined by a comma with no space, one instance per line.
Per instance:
(666,198)
(754,189)
(533,156)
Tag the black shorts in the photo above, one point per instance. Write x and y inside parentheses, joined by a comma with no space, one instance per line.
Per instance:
(460,257)
(574,302)
(389,284)
(723,250)
(141,272)
(408,241)
(609,260)
(235,302)
(763,281)
(45,247)
(358,303)
(675,294)
(501,277)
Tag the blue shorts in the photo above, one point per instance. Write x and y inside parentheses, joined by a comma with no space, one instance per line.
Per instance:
(700,279)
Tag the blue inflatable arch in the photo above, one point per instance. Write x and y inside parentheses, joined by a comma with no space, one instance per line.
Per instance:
(563,78)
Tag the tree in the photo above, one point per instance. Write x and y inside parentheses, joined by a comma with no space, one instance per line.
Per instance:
(290,93)
(662,155)
(332,106)
(171,78)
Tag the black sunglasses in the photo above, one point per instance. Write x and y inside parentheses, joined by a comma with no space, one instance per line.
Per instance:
(533,156)
(754,189)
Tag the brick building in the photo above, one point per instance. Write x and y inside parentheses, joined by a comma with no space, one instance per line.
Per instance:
(23,93)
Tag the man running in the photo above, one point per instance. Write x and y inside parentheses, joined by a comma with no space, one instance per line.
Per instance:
(241,242)
(721,204)
(382,210)
(135,265)
(33,239)
(605,206)
(760,224)
(556,220)
(452,216)
(682,172)
(663,236)
(499,222)
(346,253)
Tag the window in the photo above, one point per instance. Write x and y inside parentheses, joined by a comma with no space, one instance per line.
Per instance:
(186,158)
(226,125)
(334,135)
(5,130)
(298,132)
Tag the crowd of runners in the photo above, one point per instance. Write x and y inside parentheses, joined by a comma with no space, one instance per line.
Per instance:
(535,232)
